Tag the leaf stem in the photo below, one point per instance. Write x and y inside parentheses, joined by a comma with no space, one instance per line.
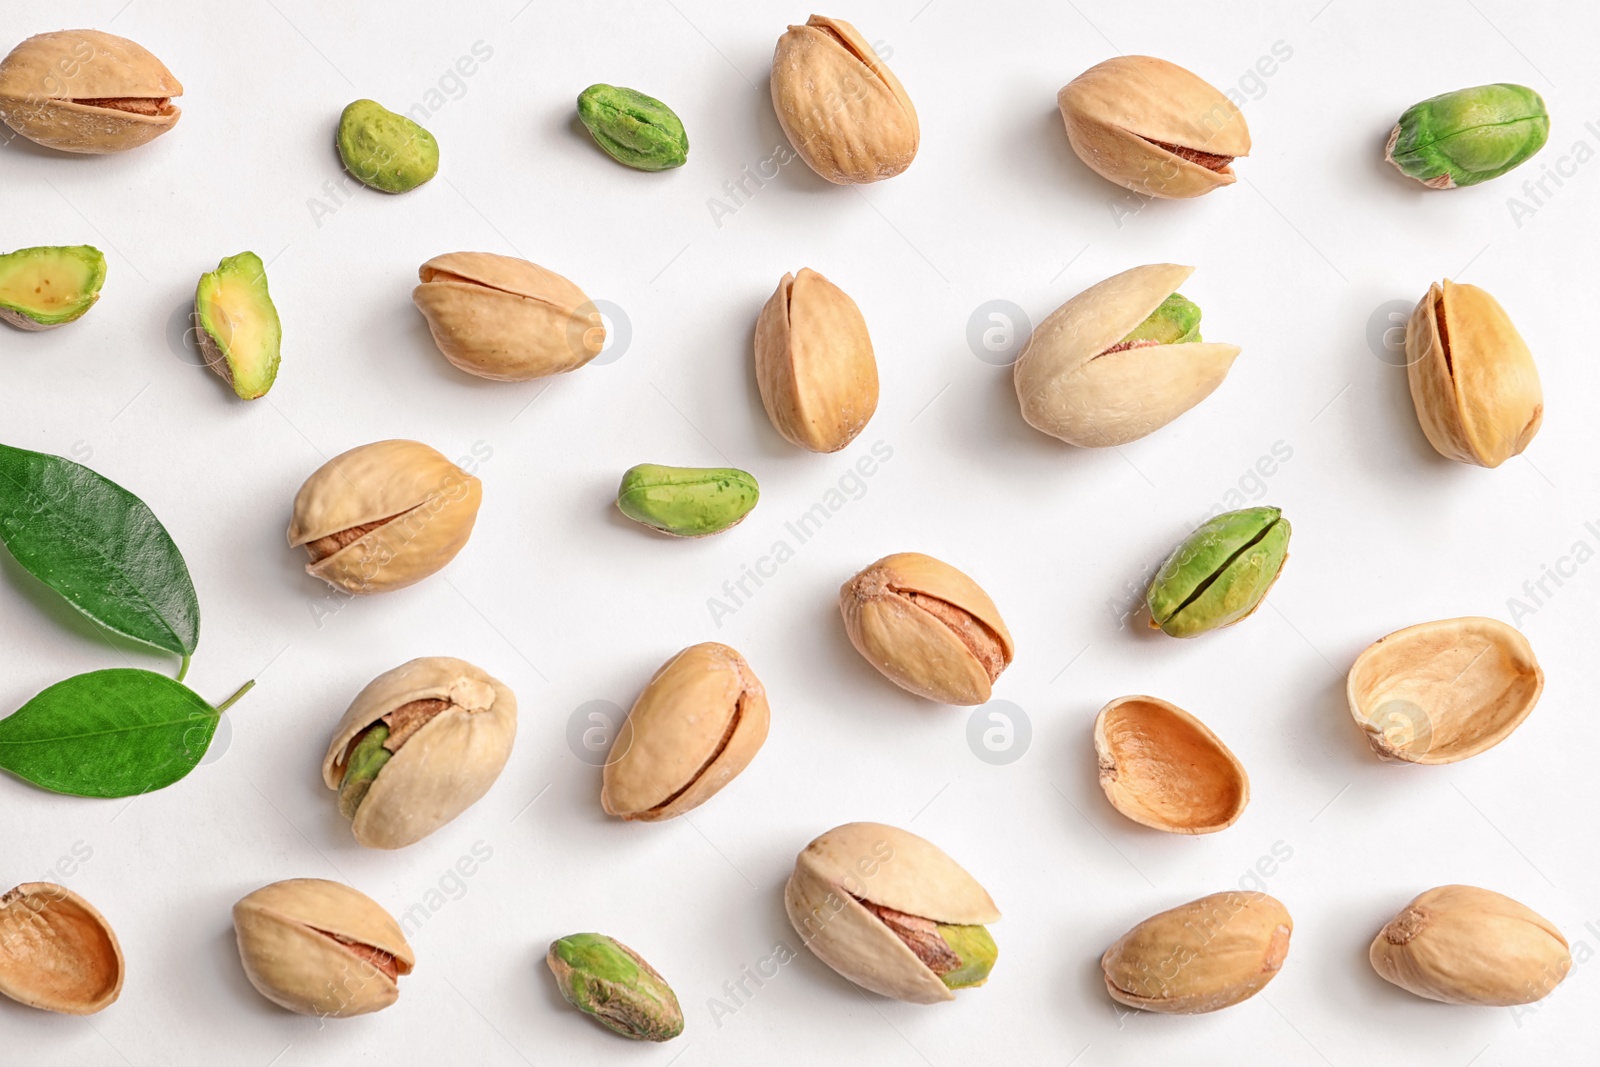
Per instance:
(183,668)
(231,701)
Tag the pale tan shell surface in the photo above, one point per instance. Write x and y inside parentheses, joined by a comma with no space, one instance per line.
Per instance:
(815,366)
(698,723)
(445,767)
(57,953)
(1201,956)
(43,77)
(1439,692)
(1163,768)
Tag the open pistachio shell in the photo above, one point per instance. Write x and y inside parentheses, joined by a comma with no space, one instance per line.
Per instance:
(1439,692)
(56,951)
(1163,768)
(86,91)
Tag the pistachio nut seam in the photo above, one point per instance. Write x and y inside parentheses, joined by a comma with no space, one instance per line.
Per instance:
(1220,573)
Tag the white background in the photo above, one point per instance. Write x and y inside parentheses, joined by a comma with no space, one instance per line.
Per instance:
(569,603)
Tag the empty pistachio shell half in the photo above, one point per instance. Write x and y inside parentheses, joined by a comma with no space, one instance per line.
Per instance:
(701,719)
(507,319)
(1463,945)
(1119,360)
(88,92)
(384,516)
(1220,573)
(1153,127)
(1163,768)
(814,363)
(57,952)
(892,913)
(1439,692)
(614,986)
(1472,377)
(687,501)
(1468,136)
(418,746)
(927,627)
(1201,956)
(321,948)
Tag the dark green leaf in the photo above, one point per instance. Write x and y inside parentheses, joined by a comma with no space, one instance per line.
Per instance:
(99,546)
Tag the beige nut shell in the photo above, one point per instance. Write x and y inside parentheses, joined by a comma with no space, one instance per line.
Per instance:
(437,503)
(1475,388)
(57,953)
(1439,692)
(1201,956)
(1115,111)
(507,319)
(44,77)
(1069,390)
(890,868)
(814,363)
(841,107)
(1163,768)
(442,769)
(283,931)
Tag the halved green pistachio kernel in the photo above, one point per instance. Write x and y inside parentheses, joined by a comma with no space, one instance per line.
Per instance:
(634,129)
(962,956)
(1220,573)
(687,501)
(42,288)
(367,757)
(386,151)
(607,980)
(1175,322)
(1468,136)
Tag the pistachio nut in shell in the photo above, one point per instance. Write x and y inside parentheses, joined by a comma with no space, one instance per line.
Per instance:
(57,953)
(700,720)
(1472,377)
(383,150)
(418,746)
(1153,127)
(1463,945)
(1120,360)
(614,986)
(1201,956)
(892,913)
(43,288)
(814,363)
(1439,692)
(384,516)
(1220,573)
(1469,135)
(636,130)
(687,501)
(927,627)
(507,319)
(86,91)
(321,948)
(840,105)
(1163,768)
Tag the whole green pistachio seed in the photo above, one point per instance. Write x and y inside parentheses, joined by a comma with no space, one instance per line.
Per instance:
(977,950)
(367,757)
(1175,322)
(1220,573)
(687,501)
(1469,136)
(633,128)
(386,151)
(607,980)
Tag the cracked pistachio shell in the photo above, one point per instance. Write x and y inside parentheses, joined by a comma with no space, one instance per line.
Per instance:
(814,363)
(321,948)
(614,986)
(1468,136)
(1472,377)
(419,505)
(843,110)
(1072,388)
(1220,573)
(1201,956)
(927,627)
(1463,945)
(1153,127)
(889,868)
(687,501)
(87,92)
(700,720)
(442,769)
(507,319)
(1440,692)
(57,953)
(1163,768)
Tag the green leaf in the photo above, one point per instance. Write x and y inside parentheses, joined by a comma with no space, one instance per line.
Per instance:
(99,546)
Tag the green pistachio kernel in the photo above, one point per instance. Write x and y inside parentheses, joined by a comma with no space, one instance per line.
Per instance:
(977,950)
(607,980)
(1220,573)
(386,151)
(687,501)
(367,757)
(1469,136)
(633,128)
(42,288)
(1175,322)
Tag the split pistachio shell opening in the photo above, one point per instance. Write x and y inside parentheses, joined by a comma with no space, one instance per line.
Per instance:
(1473,380)
(87,92)
(1119,360)
(1468,136)
(614,986)
(927,627)
(418,746)
(1163,768)
(687,501)
(1439,692)
(1201,956)
(43,288)
(1220,573)
(57,953)
(814,363)
(701,719)
(636,130)
(383,150)
(892,913)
